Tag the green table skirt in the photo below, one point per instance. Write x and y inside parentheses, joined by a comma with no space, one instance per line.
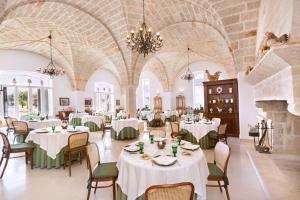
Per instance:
(93,126)
(121,196)
(76,121)
(125,133)
(42,160)
(204,142)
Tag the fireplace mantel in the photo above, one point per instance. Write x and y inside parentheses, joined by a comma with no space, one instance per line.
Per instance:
(277,76)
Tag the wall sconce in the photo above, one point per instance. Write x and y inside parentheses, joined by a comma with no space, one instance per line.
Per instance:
(181,90)
(14,81)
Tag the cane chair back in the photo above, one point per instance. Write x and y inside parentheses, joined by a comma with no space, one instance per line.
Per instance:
(21,128)
(222,129)
(9,122)
(6,144)
(222,154)
(157,116)
(175,129)
(78,140)
(93,156)
(158,132)
(179,191)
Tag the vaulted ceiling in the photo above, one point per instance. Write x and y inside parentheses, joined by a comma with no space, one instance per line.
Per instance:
(91,34)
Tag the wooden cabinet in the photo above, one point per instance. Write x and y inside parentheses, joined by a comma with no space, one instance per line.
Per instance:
(180,104)
(221,100)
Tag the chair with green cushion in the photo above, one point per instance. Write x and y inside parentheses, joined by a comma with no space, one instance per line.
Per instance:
(218,169)
(215,137)
(15,148)
(100,172)
(9,124)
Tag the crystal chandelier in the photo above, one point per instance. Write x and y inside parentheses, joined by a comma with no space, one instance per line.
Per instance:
(51,69)
(188,74)
(144,41)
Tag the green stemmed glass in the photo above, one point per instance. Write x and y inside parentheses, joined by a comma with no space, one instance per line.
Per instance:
(151,137)
(174,150)
(74,126)
(141,145)
(179,139)
(53,129)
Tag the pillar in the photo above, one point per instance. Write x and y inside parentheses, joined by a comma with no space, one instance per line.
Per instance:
(129,93)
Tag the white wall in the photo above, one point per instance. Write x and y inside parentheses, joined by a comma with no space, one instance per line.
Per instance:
(22,60)
(102,75)
(247,108)
(185,88)
(155,88)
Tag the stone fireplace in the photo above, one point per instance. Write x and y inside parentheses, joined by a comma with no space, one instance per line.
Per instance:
(286,132)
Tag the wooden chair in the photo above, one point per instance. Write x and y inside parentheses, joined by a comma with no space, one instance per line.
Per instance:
(77,143)
(100,172)
(175,129)
(15,148)
(218,169)
(158,132)
(178,191)
(220,135)
(9,124)
(21,130)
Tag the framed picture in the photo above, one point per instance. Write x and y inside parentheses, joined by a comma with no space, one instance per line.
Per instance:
(118,102)
(88,102)
(64,101)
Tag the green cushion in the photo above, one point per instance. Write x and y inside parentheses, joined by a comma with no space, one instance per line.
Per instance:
(21,146)
(106,170)
(214,170)
(213,134)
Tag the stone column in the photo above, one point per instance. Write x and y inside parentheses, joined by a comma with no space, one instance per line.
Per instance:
(129,92)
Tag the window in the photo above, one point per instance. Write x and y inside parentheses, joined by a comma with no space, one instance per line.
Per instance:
(26,92)
(104,97)
(198,89)
(146,93)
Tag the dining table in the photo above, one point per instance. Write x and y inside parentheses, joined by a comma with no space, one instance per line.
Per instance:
(197,132)
(76,118)
(138,172)
(50,145)
(36,124)
(171,115)
(94,123)
(122,129)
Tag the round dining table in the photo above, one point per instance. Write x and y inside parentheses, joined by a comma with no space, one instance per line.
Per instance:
(36,124)
(124,129)
(50,146)
(137,174)
(197,132)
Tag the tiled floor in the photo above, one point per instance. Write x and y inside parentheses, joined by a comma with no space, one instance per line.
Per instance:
(22,183)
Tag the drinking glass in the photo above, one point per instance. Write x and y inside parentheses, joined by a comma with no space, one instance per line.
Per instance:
(174,150)
(53,129)
(74,126)
(151,137)
(179,139)
(141,145)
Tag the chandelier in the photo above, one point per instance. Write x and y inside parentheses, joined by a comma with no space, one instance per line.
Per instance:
(144,41)
(188,74)
(51,69)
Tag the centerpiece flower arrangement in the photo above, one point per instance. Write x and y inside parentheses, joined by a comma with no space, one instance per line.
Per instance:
(122,115)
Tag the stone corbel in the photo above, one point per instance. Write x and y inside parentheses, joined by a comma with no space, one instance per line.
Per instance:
(294,106)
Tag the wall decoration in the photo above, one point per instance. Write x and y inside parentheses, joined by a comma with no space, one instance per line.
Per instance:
(64,101)
(213,77)
(87,102)
(219,90)
(118,102)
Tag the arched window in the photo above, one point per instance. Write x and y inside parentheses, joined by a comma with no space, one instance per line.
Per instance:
(198,89)
(25,92)
(104,97)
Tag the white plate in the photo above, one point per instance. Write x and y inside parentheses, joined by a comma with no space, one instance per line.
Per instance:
(165,160)
(131,148)
(41,131)
(189,146)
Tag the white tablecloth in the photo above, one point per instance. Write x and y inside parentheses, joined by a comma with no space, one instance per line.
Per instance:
(145,113)
(136,174)
(53,143)
(150,117)
(77,115)
(141,126)
(168,113)
(200,129)
(44,123)
(118,125)
(96,119)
